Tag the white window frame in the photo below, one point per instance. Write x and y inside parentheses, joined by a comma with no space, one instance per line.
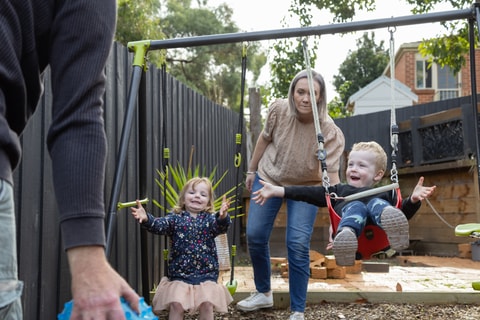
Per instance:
(440,93)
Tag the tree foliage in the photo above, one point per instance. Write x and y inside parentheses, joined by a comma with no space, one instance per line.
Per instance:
(361,66)
(289,58)
(337,108)
(139,20)
(214,71)
(449,49)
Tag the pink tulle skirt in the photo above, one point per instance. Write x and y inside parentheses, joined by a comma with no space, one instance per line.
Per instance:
(190,296)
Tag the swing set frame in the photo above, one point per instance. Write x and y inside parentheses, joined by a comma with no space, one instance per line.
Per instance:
(136,93)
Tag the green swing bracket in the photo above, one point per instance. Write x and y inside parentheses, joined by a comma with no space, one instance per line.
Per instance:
(140,49)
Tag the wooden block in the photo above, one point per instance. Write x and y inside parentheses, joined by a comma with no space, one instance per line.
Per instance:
(336,273)
(330,262)
(284,268)
(356,268)
(315,255)
(317,263)
(465,250)
(276,263)
(318,272)
(285,274)
(376,266)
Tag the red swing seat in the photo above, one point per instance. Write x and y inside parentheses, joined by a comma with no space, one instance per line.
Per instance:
(373,240)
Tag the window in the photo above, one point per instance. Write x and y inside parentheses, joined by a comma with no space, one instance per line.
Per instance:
(442,79)
(424,75)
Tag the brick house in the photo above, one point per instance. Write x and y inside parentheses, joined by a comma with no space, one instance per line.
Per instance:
(431,84)
(422,84)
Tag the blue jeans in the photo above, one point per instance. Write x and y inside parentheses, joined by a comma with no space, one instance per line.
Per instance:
(356,213)
(300,220)
(10,287)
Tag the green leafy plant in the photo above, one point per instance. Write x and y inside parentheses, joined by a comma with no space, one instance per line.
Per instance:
(179,177)
(173,178)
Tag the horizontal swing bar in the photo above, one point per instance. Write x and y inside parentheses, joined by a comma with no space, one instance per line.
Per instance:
(371,192)
(313,30)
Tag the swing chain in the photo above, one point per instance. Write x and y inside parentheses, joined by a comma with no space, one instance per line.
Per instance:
(325,180)
(394,173)
(394,131)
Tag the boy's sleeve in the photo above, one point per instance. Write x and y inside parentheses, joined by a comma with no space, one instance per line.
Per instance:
(409,208)
(312,194)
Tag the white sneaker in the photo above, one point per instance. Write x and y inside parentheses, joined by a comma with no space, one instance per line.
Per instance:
(256,301)
(297,316)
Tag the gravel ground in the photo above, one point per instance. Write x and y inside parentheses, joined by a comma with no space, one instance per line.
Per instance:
(364,311)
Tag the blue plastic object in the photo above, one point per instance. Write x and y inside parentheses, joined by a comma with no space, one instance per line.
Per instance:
(145,311)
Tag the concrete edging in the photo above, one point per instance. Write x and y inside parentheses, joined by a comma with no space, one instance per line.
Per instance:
(282,298)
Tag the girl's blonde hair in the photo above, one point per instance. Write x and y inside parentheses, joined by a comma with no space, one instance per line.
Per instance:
(193,182)
(374,147)
(322,100)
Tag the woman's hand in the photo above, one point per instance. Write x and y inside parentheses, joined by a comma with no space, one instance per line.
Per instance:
(249,181)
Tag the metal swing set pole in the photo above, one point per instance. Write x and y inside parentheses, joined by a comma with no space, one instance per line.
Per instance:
(139,65)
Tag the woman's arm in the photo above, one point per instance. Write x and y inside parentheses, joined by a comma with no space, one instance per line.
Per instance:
(260,147)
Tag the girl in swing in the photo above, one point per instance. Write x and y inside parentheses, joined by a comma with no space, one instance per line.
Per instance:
(193,267)
(366,166)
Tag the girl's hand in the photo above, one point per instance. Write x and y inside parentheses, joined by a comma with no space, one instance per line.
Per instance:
(224,207)
(139,213)
(420,192)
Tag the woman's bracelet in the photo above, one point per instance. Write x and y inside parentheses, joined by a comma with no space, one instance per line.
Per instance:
(251,172)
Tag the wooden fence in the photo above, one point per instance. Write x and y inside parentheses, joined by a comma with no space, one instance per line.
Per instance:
(192,122)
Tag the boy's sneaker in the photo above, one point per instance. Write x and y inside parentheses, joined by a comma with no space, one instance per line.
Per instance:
(297,316)
(395,224)
(256,301)
(345,247)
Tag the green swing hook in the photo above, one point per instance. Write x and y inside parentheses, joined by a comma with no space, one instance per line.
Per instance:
(232,284)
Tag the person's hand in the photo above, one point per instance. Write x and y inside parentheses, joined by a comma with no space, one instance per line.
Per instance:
(421,192)
(249,182)
(224,207)
(139,212)
(268,191)
(97,287)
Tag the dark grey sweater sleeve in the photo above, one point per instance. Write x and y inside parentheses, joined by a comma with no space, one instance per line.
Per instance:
(74,38)
(80,46)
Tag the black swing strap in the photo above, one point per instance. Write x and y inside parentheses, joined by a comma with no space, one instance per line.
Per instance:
(238,160)
(165,160)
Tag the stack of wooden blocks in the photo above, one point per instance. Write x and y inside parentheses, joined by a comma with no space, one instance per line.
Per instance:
(465,250)
(321,267)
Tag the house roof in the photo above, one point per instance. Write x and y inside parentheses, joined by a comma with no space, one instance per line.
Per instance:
(400,89)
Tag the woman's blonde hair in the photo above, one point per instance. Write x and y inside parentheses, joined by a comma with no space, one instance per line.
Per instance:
(193,182)
(374,147)
(322,100)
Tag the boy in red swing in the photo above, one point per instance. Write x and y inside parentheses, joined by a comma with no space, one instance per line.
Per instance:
(366,166)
